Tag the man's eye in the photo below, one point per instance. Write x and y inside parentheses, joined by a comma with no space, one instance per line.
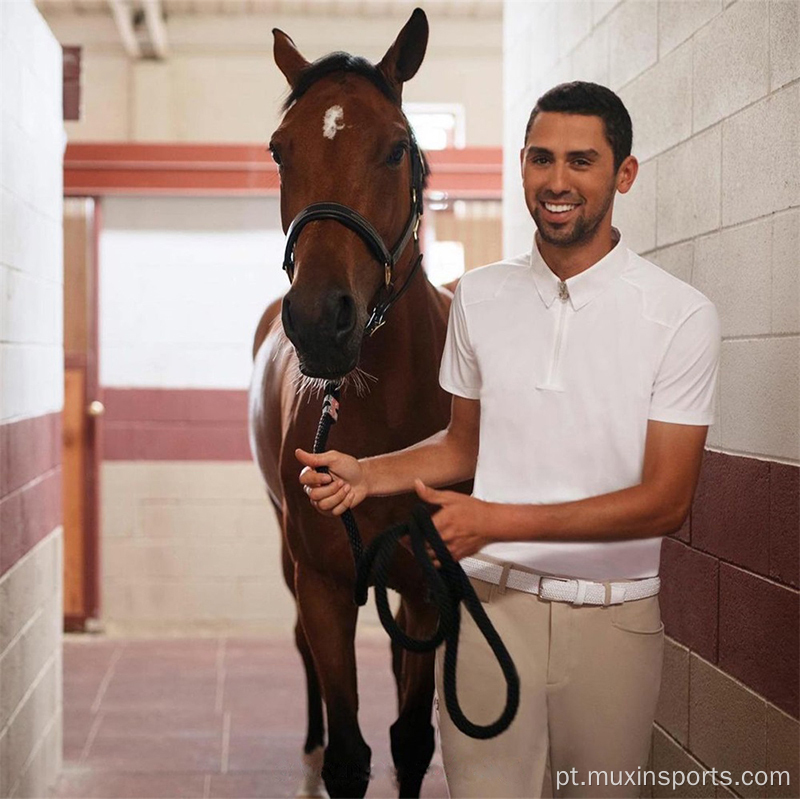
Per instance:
(396,156)
(581,162)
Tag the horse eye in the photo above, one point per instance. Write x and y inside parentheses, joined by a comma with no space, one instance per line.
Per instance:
(276,156)
(396,156)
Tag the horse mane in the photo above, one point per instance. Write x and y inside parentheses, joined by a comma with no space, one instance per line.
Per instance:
(340,62)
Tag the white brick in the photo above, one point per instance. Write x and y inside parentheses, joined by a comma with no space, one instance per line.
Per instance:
(660,104)
(732,269)
(689,186)
(45,762)
(31,380)
(33,309)
(786,272)
(731,62)
(759,164)
(759,379)
(26,730)
(677,260)
(635,212)
(590,58)
(784,42)
(678,20)
(26,657)
(714,438)
(26,587)
(573,22)
(602,8)
(634,40)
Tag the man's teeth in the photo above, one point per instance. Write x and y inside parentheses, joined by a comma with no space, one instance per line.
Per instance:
(558,209)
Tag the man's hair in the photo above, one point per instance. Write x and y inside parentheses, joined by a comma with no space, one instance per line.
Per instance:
(591,100)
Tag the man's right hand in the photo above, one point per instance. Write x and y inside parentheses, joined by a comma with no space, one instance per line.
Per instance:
(332,494)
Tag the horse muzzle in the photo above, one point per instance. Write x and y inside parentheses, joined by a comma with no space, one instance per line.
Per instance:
(326,333)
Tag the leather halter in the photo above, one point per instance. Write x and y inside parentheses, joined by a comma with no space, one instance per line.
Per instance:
(356,222)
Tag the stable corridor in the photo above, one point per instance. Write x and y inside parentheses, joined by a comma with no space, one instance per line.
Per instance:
(216,717)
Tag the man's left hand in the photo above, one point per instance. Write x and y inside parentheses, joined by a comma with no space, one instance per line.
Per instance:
(464,523)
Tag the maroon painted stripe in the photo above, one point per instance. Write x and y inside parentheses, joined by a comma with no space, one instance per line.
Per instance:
(27,515)
(175,425)
(28,449)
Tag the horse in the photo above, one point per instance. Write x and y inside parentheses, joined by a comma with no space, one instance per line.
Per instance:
(344,140)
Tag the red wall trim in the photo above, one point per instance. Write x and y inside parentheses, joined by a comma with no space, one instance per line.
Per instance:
(30,484)
(175,425)
(729,588)
(208,169)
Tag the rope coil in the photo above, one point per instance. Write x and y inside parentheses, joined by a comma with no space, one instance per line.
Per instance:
(449,587)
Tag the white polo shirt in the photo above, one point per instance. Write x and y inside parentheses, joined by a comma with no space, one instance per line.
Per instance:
(568,376)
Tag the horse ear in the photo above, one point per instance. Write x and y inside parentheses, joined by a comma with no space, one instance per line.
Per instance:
(288,58)
(403,58)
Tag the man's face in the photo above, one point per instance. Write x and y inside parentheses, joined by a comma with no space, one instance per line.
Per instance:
(568,175)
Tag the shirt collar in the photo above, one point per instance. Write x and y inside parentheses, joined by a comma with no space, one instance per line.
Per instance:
(584,286)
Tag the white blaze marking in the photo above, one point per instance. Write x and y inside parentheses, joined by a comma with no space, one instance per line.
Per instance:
(332,121)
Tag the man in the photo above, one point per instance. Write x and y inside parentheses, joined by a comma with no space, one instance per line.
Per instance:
(582,379)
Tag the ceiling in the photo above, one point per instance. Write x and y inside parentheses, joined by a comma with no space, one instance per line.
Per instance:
(482,9)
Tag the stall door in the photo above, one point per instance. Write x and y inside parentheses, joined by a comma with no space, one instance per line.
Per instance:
(83,411)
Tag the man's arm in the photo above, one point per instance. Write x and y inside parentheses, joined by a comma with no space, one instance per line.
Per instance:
(655,507)
(443,459)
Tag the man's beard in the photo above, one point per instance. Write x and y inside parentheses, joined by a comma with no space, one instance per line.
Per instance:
(582,230)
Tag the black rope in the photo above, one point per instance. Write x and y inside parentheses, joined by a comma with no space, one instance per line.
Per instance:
(449,587)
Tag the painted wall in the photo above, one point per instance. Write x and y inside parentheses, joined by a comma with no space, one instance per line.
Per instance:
(220,83)
(713,89)
(31,397)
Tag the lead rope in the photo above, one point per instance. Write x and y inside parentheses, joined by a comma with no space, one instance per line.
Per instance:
(449,587)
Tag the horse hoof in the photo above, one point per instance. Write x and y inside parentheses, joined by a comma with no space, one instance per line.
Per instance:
(312,785)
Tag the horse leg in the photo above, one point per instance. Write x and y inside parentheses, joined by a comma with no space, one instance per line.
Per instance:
(329,619)
(412,734)
(315,736)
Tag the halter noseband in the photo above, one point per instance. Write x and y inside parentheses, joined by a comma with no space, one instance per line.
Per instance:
(351,219)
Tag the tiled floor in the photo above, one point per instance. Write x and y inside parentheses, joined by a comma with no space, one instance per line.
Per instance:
(205,718)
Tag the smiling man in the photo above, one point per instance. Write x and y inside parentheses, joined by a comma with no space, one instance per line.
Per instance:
(582,378)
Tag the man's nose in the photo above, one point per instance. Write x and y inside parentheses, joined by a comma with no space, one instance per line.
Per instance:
(558,179)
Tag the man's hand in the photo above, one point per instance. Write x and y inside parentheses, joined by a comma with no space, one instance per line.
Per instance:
(463,522)
(332,494)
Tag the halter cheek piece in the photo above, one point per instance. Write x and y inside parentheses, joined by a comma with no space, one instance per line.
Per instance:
(366,230)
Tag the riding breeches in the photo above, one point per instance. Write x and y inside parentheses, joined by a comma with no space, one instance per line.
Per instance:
(589,683)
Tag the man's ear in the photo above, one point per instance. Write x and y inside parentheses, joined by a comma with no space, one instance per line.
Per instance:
(626,174)
(288,58)
(403,58)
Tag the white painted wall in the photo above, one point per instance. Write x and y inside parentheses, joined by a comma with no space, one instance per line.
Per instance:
(31,384)
(220,83)
(713,89)
(31,259)
(183,283)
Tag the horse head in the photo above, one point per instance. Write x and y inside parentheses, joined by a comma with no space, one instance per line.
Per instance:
(348,165)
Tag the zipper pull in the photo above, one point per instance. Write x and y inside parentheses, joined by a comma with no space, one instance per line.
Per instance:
(563,291)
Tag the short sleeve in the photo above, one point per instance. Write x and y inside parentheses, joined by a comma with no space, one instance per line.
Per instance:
(683,391)
(459,372)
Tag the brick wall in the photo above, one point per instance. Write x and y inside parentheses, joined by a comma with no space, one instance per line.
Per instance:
(31,397)
(713,88)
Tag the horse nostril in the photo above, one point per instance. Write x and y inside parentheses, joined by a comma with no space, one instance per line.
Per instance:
(345,317)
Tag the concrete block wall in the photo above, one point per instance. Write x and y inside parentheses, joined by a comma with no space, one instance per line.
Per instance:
(713,89)
(31,396)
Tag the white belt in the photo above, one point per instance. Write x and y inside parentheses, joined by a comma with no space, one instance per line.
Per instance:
(577,592)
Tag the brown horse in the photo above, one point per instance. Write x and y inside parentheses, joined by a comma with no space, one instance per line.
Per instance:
(344,140)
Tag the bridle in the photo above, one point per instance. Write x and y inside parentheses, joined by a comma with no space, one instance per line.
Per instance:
(366,230)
